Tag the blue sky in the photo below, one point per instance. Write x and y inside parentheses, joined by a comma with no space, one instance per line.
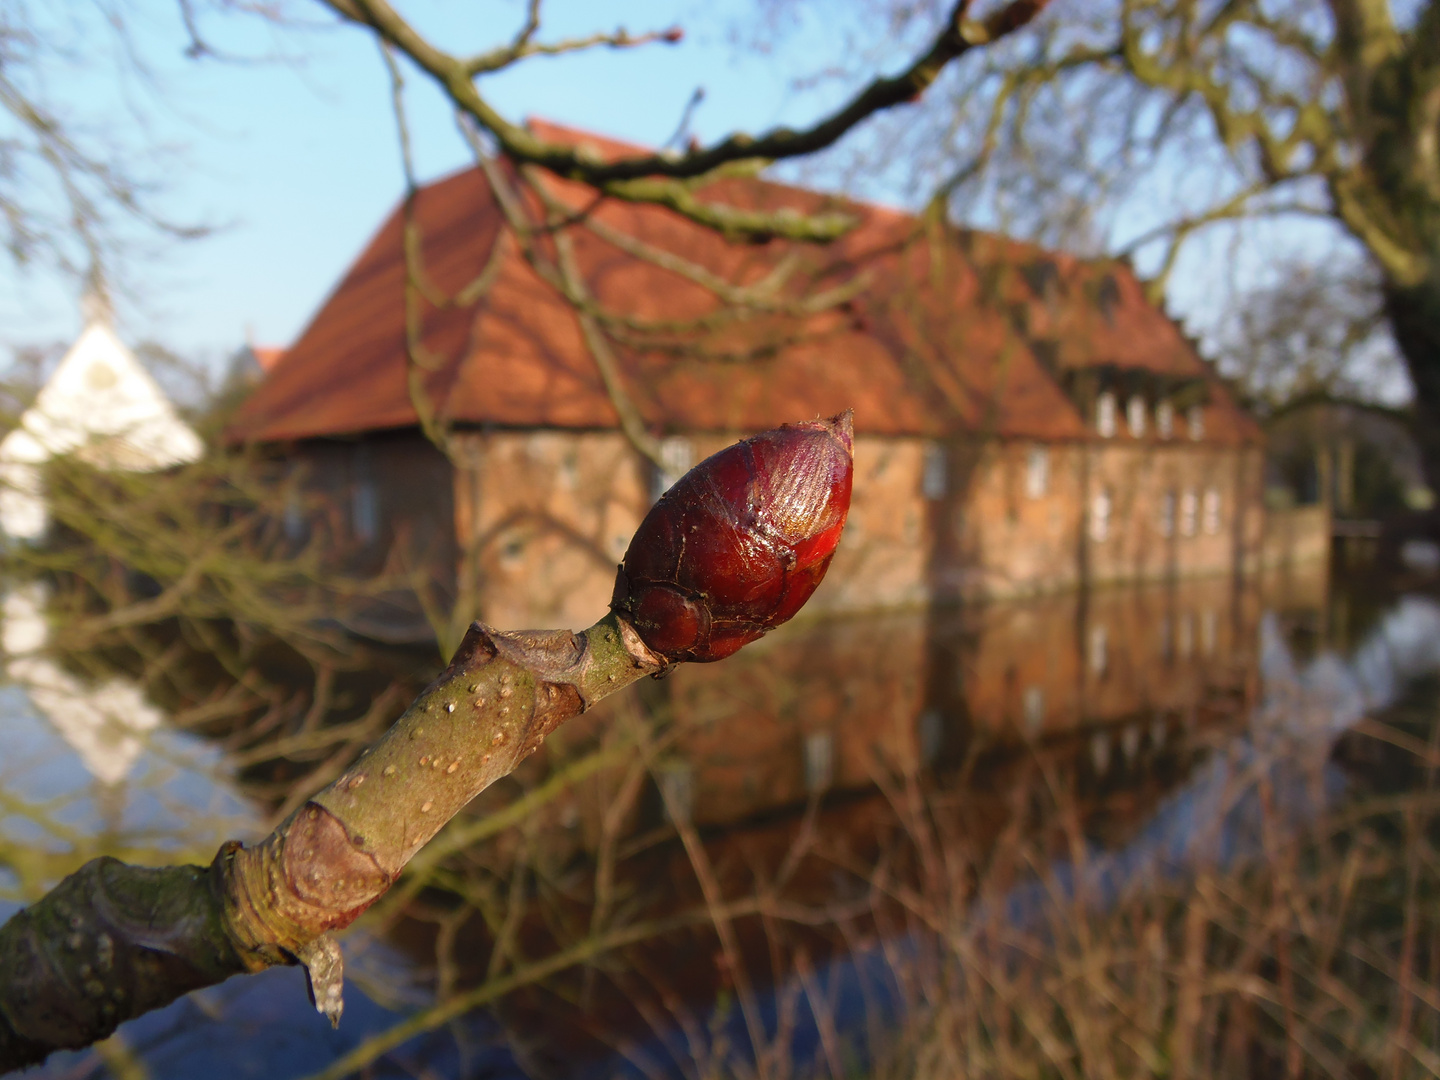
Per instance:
(295,160)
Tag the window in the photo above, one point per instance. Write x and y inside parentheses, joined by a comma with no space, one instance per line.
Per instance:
(678,454)
(1033,706)
(1211,512)
(1189,504)
(1037,472)
(294,521)
(1167,514)
(1135,416)
(1100,516)
(819,761)
(1165,419)
(1195,421)
(933,478)
(932,735)
(1185,635)
(1105,414)
(100,376)
(1099,650)
(1209,631)
(1100,752)
(512,551)
(365,512)
(364,499)
(568,472)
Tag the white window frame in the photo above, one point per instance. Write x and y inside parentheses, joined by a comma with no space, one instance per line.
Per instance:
(934,472)
(1210,512)
(1099,658)
(1037,472)
(1165,420)
(1101,507)
(1105,409)
(1195,421)
(1189,512)
(1135,416)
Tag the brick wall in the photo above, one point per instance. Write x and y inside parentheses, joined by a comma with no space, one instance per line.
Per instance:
(541,521)
(541,518)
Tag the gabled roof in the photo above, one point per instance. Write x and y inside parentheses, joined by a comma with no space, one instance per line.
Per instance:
(941,332)
(266,356)
(101,405)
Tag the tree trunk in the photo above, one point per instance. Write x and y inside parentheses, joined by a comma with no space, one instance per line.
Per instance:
(1414,314)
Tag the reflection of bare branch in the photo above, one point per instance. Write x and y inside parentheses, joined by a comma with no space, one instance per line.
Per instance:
(720,918)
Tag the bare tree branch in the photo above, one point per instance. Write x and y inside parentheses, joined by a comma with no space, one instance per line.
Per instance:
(669,180)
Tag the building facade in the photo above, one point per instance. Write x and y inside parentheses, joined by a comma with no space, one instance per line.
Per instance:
(1026,422)
(101,405)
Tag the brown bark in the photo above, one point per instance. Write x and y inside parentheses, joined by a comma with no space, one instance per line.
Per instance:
(1414,315)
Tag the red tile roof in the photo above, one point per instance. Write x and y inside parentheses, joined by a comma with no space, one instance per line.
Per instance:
(953,332)
(267,356)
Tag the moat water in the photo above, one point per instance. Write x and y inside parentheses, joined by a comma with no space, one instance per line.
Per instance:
(748,868)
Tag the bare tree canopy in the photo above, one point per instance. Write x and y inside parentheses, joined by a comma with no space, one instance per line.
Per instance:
(1318,332)
(1137,125)
(76,170)
(670,179)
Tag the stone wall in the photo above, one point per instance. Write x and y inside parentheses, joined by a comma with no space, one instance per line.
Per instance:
(1019,519)
(539,520)
(1296,537)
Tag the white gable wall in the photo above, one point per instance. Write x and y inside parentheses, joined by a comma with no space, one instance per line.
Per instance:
(100,404)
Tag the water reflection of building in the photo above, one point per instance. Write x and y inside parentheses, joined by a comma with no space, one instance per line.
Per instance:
(107,724)
(1026,421)
(1214,771)
(830,705)
(960,760)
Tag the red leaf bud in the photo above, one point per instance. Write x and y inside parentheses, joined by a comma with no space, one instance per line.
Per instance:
(740,542)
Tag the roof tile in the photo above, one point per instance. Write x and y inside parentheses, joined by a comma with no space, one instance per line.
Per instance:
(953,331)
